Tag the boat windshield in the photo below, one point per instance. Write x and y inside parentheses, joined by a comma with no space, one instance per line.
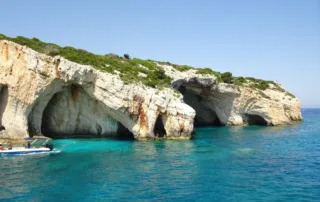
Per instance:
(37,141)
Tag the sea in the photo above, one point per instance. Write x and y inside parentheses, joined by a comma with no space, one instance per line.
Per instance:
(247,163)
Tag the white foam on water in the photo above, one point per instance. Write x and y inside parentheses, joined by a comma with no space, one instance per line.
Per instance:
(245,150)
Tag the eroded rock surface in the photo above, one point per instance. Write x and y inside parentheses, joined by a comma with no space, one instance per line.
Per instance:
(228,104)
(55,97)
(58,98)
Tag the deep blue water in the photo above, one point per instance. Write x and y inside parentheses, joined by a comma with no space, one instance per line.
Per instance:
(221,164)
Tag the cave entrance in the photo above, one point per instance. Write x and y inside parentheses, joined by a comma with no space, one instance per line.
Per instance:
(205,114)
(159,130)
(199,121)
(123,133)
(72,113)
(253,119)
(4,95)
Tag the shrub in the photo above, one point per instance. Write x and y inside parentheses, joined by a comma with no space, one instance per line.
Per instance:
(182,68)
(262,85)
(227,77)
(146,63)
(239,81)
(112,55)
(53,53)
(159,74)
(205,71)
(35,39)
(126,56)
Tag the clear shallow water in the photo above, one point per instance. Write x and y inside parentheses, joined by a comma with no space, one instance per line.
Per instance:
(220,164)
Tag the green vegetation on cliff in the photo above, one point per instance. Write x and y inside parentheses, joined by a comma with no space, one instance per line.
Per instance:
(136,70)
(254,83)
(210,72)
(130,70)
(180,68)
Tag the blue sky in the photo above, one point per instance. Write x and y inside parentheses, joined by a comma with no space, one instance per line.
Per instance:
(274,40)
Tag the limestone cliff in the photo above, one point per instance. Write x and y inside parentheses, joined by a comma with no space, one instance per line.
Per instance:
(55,97)
(58,98)
(230,104)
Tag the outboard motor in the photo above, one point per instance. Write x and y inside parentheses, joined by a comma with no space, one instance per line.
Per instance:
(50,146)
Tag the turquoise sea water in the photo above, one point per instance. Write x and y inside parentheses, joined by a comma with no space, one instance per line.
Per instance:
(221,164)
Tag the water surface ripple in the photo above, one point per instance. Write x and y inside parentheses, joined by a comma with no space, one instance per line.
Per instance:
(221,164)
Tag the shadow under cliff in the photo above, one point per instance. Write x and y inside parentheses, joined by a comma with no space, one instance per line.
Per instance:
(200,95)
(4,95)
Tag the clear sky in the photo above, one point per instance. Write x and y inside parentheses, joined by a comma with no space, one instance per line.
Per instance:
(269,39)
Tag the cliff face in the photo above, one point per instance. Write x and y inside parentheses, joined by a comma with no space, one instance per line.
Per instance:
(229,104)
(59,98)
(55,97)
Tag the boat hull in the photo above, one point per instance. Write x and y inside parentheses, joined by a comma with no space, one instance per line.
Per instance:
(24,151)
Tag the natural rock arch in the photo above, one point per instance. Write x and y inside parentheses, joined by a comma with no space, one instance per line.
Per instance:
(253,119)
(214,103)
(205,115)
(71,112)
(206,101)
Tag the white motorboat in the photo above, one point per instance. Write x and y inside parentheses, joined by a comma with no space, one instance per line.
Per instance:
(45,147)
(24,150)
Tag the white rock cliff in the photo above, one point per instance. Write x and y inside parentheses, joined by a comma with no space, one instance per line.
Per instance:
(228,104)
(55,97)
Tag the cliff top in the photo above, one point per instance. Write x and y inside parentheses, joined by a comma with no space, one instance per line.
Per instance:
(149,72)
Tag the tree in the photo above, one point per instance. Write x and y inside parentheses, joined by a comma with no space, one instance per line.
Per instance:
(126,56)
